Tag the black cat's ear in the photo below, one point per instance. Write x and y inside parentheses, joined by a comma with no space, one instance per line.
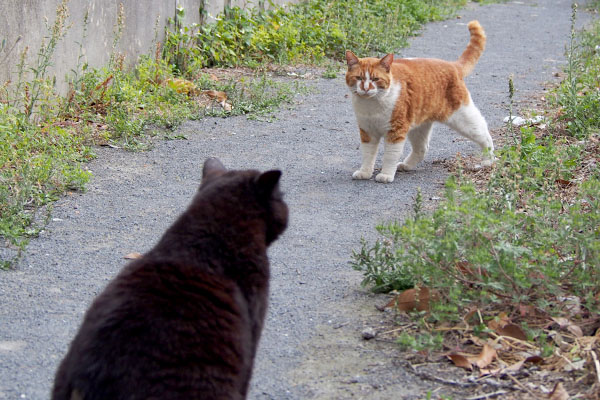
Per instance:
(212,167)
(351,59)
(386,62)
(267,181)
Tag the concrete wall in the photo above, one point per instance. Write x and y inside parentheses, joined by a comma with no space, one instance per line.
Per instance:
(24,24)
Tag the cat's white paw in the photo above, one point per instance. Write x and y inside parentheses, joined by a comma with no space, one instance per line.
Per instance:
(384,178)
(404,167)
(360,174)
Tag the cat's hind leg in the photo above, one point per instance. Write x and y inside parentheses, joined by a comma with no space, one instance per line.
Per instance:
(419,141)
(469,122)
(392,152)
(368,149)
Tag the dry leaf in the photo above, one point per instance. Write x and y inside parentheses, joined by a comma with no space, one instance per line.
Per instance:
(226,106)
(570,326)
(534,359)
(181,85)
(470,314)
(215,94)
(515,367)
(407,300)
(564,182)
(485,358)
(511,368)
(561,321)
(484,372)
(526,310)
(477,340)
(133,256)
(574,365)
(219,97)
(575,330)
(460,361)
(558,393)
(498,322)
(513,331)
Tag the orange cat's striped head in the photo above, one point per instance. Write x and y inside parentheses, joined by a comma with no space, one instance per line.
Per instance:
(368,77)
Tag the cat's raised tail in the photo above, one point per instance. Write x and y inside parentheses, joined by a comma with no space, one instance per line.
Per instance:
(476,45)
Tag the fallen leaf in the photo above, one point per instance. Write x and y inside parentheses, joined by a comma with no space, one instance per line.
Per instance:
(565,323)
(499,321)
(470,314)
(407,300)
(476,340)
(226,106)
(484,372)
(513,331)
(574,365)
(558,393)
(215,94)
(564,182)
(181,85)
(485,358)
(575,330)
(561,321)
(460,361)
(133,256)
(514,367)
(534,359)
(526,310)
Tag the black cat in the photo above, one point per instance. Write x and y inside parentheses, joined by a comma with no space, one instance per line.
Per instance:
(184,321)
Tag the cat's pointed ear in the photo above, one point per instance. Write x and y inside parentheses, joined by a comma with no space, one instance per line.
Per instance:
(267,181)
(212,166)
(386,62)
(351,59)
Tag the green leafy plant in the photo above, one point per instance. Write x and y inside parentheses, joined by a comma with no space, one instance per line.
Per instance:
(524,238)
(308,31)
(420,342)
(578,95)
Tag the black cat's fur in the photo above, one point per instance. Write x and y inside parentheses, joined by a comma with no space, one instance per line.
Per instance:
(184,321)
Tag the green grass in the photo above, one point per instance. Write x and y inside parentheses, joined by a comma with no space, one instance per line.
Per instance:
(308,32)
(530,235)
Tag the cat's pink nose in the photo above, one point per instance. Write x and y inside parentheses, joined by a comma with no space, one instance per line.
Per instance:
(371,87)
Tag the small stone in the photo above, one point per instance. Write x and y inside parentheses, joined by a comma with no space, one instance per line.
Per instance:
(368,333)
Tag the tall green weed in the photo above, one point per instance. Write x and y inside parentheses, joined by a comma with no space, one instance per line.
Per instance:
(307,32)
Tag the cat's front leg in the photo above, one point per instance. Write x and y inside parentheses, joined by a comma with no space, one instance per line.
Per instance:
(368,149)
(392,152)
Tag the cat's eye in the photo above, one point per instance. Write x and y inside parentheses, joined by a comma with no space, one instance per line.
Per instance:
(359,78)
(375,79)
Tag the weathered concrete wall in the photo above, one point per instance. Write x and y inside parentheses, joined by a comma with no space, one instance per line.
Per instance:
(24,24)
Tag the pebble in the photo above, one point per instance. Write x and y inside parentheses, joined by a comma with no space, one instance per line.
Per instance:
(368,333)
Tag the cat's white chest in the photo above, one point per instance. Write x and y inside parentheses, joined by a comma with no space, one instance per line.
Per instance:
(374,114)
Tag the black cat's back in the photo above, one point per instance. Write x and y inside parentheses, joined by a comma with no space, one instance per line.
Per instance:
(184,321)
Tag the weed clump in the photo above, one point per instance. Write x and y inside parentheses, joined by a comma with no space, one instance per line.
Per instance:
(307,32)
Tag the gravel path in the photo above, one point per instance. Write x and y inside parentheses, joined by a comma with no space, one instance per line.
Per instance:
(311,345)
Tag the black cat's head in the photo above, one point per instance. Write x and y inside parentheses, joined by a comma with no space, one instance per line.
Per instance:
(247,193)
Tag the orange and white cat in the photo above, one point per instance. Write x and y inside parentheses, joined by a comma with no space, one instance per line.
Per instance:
(396,99)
